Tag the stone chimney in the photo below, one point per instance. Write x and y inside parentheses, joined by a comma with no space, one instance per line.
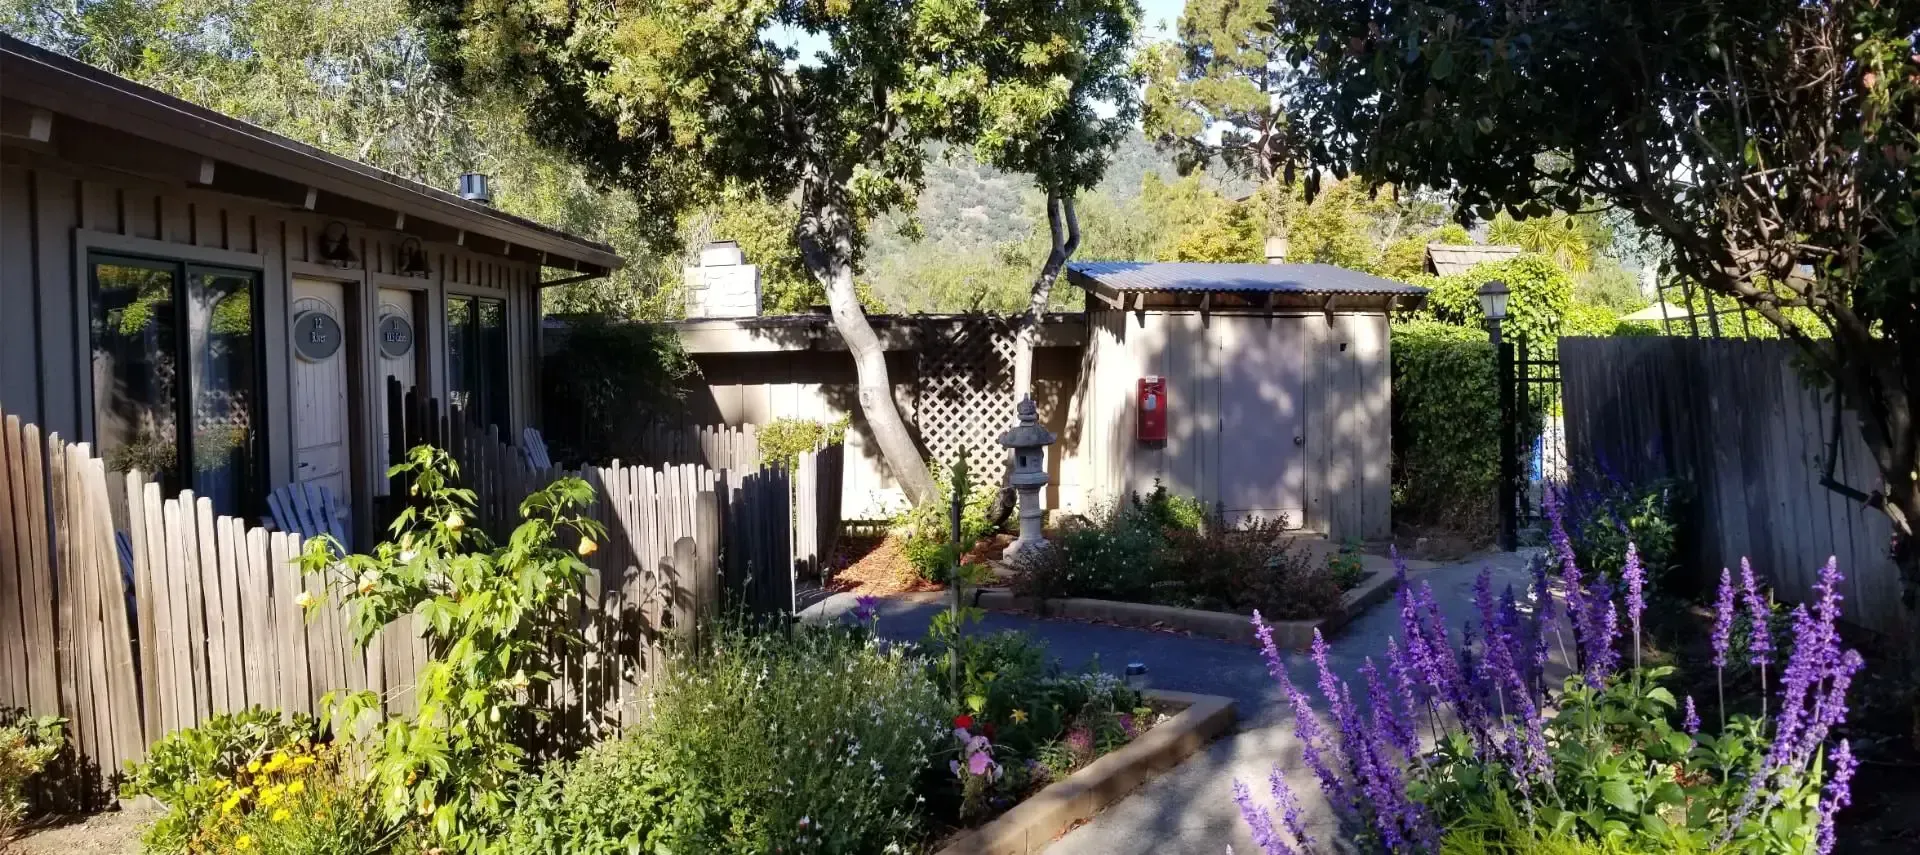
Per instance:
(722,284)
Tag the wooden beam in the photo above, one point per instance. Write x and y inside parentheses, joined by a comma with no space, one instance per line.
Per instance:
(313,198)
(23,121)
(399,220)
(1327,308)
(208,169)
(92,145)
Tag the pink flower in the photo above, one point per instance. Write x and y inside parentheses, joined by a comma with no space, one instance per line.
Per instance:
(978,763)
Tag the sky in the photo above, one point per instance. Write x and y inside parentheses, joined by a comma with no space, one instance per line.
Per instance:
(1156,24)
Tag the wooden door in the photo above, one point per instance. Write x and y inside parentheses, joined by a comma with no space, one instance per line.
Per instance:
(398,340)
(320,405)
(1263,416)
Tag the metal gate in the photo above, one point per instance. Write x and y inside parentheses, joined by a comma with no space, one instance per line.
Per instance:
(1533,436)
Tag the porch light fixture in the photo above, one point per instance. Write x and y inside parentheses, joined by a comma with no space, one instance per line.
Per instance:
(1493,301)
(411,259)
(334,248)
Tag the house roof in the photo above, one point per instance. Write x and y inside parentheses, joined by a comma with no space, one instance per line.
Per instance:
(110,114)
(1200,277)
(1446,259)
(1661,311)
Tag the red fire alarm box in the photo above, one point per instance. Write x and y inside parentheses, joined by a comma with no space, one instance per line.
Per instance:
(1153,409)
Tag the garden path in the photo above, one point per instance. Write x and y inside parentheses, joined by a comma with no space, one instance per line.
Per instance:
(1190,809)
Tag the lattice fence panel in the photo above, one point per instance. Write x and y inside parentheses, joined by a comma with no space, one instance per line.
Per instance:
(966,392)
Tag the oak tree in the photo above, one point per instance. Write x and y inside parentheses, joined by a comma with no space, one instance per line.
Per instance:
(671,98)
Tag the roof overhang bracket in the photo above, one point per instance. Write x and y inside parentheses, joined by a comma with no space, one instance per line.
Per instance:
(1327,308)
(1267,302)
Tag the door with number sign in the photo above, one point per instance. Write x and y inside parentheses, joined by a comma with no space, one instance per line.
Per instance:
(320,411)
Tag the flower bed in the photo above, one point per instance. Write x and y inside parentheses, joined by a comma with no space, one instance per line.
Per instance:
(1168,551)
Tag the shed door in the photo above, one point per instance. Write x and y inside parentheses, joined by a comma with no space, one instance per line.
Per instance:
(320,415)
(399,353)
(1263,417)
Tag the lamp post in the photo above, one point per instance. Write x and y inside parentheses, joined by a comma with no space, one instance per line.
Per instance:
(1493,304)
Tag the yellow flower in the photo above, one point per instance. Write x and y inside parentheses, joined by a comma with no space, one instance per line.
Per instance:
(454,521)
(232,802)
(305,600)
(269,796)
(587,547)
(280,815)
(278,762)
(244,841)
(302,762)
(296,788)
(1019,716)
(253,766)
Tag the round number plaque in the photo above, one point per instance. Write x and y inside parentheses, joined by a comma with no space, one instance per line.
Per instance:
(396,336)
(316,335)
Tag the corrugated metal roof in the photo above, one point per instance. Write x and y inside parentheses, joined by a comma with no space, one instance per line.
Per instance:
(1447,259)
(1201,276)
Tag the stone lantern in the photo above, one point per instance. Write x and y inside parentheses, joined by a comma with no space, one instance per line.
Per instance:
(1029,442)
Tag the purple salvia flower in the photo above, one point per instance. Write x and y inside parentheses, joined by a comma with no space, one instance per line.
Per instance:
(1543,618)
(1691,724)
(1388,720)
(1759,635)
(1276,667)
(1836,795)
(1830,707)
(1259,822)
(1290,813)
(1723,619)
(1636,577)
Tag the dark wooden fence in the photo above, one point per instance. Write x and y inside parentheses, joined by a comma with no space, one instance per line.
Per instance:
(1739,422)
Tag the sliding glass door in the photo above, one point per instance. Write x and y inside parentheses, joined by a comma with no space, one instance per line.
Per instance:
(477,359)
(176,376)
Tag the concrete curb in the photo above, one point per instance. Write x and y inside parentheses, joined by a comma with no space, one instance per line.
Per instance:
(1033,824)
(1229,626)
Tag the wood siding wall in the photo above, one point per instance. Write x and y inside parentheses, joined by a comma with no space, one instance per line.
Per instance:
(1738,422)
(52,212)
(1344,411)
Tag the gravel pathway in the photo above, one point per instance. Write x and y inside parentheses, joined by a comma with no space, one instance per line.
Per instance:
(1191,808)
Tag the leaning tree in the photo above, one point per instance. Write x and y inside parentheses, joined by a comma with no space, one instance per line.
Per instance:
(1769,143)
(672,98)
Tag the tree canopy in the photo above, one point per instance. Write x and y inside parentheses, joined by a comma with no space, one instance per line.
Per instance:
(1767,143)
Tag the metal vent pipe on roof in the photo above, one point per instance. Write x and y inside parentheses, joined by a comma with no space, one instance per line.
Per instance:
(475,187)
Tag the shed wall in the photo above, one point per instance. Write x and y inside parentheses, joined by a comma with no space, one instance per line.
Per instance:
(1343,409)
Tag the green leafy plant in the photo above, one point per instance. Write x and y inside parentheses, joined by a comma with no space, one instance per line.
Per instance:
(929,545)
(27,745)
(193,770)
(1345,566)
(782,441)
(1647,516)
(498,622)
(762,742)
(1446,426)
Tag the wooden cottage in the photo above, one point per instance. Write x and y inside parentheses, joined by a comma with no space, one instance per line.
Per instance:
(222,306)
(1273,388)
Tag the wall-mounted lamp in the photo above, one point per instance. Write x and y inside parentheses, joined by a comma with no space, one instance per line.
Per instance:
(411,260)
(334,248)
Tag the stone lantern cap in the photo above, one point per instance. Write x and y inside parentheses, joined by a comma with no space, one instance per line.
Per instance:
(1029,433)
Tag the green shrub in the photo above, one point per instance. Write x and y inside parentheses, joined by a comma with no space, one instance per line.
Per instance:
(1587,320)
(782,441)
(607,383)
(929,546)
(193,771)
(1541,297)
(1147,550)
(1345,566)
(500,621)
(27,745)
(1446,426)
(764,743)
(1648,516)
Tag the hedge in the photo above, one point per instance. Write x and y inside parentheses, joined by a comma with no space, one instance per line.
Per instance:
(1446,419)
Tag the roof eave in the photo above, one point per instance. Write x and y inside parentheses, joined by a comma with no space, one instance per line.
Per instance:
(66,87)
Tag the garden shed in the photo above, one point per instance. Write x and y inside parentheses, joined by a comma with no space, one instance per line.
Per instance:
(1272,380)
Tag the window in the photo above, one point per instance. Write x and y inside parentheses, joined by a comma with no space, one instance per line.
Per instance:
(178,344)
(477,359)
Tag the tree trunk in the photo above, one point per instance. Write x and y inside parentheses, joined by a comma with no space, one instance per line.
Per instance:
(1029,328)
(826,246)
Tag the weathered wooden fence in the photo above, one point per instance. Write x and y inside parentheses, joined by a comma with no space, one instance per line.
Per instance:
(1739,423)
(184,614)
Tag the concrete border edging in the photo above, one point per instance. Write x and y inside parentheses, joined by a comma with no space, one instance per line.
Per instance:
(1034,823)
(1230,626)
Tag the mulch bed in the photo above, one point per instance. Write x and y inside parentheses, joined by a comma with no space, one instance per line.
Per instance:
(879,565)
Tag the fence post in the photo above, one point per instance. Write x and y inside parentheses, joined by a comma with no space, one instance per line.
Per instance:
(1509,431)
